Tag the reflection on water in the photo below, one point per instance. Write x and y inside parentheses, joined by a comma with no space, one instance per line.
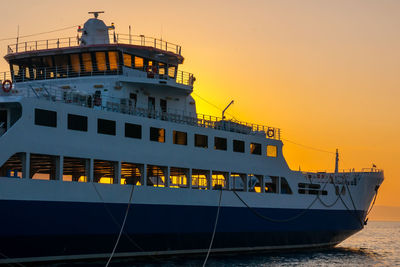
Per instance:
(377,245)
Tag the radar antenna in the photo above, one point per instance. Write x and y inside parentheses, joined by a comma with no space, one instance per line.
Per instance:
(96,13)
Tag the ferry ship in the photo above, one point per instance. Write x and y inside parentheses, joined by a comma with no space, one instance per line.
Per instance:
(102,154)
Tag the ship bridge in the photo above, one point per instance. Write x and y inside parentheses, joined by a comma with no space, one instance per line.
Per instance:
(98,51)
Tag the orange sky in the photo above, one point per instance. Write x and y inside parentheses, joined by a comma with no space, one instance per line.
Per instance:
(325,72)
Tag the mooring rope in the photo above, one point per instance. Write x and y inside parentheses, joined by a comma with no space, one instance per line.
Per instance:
(115,220)
(215,229)
(122,227)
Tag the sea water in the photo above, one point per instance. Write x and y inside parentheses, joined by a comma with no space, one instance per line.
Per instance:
(378,244)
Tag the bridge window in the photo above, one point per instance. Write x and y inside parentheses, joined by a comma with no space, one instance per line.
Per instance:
(74,58)
(113,59)
(127,60)
(45,117)
(255,148)
(157,134)
(87,62)
(133,130)
(171,71)
(77,122)
(180,138)
(238,146)
(220,143)
(139,63)
(105,127)
(272,151)
(101,61)
(201,140)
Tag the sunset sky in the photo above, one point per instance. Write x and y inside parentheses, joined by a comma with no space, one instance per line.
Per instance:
(326,72)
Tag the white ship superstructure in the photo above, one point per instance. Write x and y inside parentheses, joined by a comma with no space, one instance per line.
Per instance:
(101,132)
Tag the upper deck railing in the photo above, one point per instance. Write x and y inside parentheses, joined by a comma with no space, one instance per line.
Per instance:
(127,106)
(66,42)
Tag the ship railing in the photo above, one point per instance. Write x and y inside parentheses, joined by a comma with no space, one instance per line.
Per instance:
(66,42)
(82,70)
(127,106)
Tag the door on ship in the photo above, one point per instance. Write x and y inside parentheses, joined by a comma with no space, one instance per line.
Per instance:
(3,121)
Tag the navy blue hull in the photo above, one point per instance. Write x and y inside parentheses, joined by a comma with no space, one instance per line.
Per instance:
(43,229)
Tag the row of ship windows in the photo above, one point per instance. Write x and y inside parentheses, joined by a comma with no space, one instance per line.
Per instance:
(108,127)
(87,62)
(71,169)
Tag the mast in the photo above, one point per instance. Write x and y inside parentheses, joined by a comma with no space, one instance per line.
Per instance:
(337,161)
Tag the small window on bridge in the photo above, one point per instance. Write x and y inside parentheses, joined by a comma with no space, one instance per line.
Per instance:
(255,148)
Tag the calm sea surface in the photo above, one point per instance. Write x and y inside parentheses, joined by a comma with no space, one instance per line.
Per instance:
(377,245)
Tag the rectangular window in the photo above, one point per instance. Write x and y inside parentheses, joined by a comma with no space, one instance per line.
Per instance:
(101,61)
(133,130)
(77,122)
(113,59)
(180,138)
(171,71)
(157,134)
(220,143)
(105,127)
(201,140)
(139,63)
(127,60)
(87,62)
(272,151)
(75,63)
(238,146)
(255,148)
(45,117)
(161,68)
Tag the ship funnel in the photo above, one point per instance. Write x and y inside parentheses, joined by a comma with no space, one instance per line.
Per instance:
(95,31)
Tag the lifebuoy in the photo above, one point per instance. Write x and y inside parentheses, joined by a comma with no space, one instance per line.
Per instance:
(6,88)
(270,132)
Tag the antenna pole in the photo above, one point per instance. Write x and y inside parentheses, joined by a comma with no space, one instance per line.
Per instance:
(337,161)
(130,35)
(223,112)
(17,38)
